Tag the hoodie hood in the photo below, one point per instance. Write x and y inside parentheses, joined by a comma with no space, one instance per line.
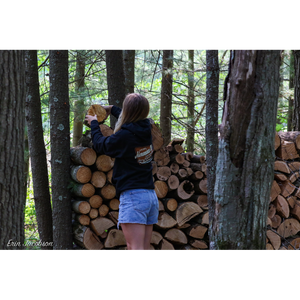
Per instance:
(142,129)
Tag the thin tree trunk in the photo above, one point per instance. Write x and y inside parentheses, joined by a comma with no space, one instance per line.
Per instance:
(26,159)
(60,149)
(166,95)
(12,123)
(79,108)
(244,170)
(191,104)
(211,128)
(37,150)
(129,60)
(291,99)
(296,119)
(115,80)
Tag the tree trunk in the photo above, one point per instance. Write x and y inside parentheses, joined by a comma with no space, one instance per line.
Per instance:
(291,87)
(12,123)
(191,104)
(244,172)
(211,128)
(37,151)
(296,119)
(115,80)
(60,149)
(79,102)
(166,96)
(129,59)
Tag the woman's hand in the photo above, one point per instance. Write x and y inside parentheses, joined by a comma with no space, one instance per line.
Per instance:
(108,110)
(89,119)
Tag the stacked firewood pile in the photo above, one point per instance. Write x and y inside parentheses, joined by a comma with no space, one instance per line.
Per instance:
(284,208)
(180,184)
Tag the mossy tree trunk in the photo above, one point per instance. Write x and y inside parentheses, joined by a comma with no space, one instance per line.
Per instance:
(296,119)
(60,149)
(129,60)
(37,151)
(79,109)
(245,163)
(211,128)
(190,104)
(291,98)
(166,95)
(115,80)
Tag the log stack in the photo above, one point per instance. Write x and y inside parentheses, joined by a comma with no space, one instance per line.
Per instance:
(180,184)
(284,209)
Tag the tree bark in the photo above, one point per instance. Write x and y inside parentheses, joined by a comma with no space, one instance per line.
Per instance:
(291,99)
(60,149)
(129,59)
(79,102)
(166,96)
(37,151)
(211,128)
(115,80)
(191,104)
(296,118)
(12,123)
(244,172)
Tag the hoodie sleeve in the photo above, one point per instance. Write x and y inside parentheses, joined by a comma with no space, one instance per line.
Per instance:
(108,145)
(116,111)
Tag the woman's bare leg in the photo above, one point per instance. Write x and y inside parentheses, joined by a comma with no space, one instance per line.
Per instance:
(134,235)
(148,234)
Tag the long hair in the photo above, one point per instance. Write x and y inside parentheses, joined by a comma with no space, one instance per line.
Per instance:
(135,108)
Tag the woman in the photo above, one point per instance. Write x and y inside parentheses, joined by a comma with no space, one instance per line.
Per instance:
(131,146)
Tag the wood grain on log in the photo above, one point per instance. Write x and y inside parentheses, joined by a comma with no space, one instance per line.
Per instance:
(86,238)
(115,238)
(81,207)
(101,224)
(95,201)
(83,155)
(287,151)
(81,173)
(161,189)
(274,239)
(98,179)
(104,163)
(176,236)
(282,207)
(289,227)
(85,190)
(186,211)
(281,166)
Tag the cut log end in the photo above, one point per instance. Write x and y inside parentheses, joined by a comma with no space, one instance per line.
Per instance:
(81,174)
(105,163)
(83,155)
(97,109)
(86,238)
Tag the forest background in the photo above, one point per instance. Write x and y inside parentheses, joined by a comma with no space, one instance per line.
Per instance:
(147,81)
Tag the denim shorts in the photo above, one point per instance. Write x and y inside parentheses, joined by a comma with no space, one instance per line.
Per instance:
(138,206)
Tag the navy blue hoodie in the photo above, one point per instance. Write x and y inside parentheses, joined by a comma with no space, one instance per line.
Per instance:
(132,149)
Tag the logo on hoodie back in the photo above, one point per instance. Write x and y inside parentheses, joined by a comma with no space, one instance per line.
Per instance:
(143,154)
